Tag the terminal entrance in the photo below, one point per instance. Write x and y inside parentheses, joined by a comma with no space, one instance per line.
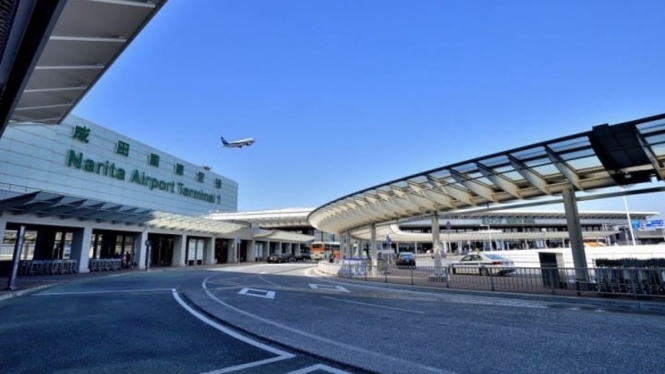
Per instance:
(161,253)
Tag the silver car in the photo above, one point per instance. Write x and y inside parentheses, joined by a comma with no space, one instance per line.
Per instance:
(483,264)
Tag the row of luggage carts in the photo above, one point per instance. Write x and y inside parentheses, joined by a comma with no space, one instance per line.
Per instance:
(47,267)
(630,276)
(105,264)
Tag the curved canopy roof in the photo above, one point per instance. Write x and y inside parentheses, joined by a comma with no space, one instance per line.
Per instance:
(398,235)
(274,218)
(622,154)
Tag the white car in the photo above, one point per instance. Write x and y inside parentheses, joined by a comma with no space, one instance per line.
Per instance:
(483,264)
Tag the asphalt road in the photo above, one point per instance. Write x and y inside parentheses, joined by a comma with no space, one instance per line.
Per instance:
(135,323)
(399,331)
(290,320)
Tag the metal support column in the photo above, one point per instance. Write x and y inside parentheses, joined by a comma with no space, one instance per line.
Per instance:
(16,258)
(436,244)
(575,232)
(375,261)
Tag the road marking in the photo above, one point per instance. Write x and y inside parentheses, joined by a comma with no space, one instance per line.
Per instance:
(281,355)
(327,287)
(326,340)
(451,297)
(100,292)
(373,305)
(257,293)
(267,281)
(318,367)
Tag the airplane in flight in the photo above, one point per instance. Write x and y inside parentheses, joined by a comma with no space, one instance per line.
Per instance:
(238,143)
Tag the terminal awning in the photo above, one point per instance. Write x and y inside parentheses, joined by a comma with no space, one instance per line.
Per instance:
(284,236)
(49,204)
(87,38)
(608,156)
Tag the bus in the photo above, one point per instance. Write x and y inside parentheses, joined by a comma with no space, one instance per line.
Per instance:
(323,250)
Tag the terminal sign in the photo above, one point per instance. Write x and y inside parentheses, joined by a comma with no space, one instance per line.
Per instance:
(508,221)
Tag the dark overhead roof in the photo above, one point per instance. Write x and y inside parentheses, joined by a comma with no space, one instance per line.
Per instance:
(83,38)
(48,204)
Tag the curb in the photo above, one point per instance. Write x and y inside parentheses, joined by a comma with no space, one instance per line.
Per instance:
(581,301)
(12,294)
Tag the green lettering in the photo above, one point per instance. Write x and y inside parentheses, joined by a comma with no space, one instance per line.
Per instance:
(89,165)
(72,159)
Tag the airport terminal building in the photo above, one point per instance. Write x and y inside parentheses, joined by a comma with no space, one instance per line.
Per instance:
(79,183)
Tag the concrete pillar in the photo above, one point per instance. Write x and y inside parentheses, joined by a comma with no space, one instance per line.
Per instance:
(375,261)
(436,247)
(179,250)
(268,250)
(81,248)
(140,249)
(575,232)
(209,252)
(3,225)
(280,247)
(231,252)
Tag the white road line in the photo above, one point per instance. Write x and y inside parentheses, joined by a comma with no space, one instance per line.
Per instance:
(281,355)
(318,367)
(327,341)
(100,292)
(326,287)
(257,293)
(267,281)
(373,305)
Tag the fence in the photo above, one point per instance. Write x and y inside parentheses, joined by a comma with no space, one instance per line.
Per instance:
(634,282)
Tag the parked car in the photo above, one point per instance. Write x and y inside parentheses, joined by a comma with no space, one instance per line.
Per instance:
(278,258)
(303,256)
(406,259)
(483,264)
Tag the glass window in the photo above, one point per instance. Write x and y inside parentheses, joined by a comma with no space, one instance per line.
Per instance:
(122,148)
(179,169)
(154,160)
(200,177)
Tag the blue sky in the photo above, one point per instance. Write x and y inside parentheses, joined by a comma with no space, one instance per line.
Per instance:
(342,95)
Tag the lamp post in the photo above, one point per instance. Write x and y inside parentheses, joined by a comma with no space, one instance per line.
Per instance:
(489,235)
(630,223)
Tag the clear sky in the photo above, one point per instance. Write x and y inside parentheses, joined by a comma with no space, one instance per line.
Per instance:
(341,95)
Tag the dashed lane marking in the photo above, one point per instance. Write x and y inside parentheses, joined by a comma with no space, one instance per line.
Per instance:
(327,287)
(373,305)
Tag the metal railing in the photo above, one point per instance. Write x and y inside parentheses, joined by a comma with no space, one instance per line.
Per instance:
(105,264)
(635,282)
(47,267)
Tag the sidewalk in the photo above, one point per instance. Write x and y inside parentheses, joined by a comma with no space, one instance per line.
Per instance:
(623,304)
(25,284)
(31,283)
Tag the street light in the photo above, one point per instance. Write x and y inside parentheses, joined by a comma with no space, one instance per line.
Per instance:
(489,235)
(630,222)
